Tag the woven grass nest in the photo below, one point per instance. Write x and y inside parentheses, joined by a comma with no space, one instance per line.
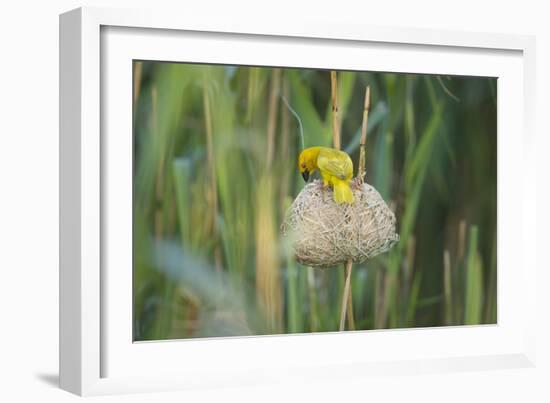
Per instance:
(326,234)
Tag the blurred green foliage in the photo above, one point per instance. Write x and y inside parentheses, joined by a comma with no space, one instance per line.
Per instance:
(215,153)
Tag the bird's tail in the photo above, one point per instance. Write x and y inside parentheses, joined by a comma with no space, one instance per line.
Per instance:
(342,191)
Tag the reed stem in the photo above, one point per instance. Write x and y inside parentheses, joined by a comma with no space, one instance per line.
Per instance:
(314,310)
(272,115)
(351,319)
(447,291)
(138,69)
(285,147)
(159,182)
(346,296)
(362,145)
(213,192)
(335,122)
(347,305)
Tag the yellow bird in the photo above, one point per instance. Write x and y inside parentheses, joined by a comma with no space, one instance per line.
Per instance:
(336,169)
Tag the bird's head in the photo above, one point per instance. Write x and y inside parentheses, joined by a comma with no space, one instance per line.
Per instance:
(307,162)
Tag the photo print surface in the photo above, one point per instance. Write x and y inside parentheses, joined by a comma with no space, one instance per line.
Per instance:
(286,200)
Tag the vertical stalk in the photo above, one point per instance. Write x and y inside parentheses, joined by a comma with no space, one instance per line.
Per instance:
(253,92)
(447,287)
(268,281)
(293,312)
(213,191)
(285,146)
(362,145)
(159,183)
(138,68)
(408,273)
(164,315)
(351,319)
(346,299)
(474,281)
(491,313)
(272,115)
(335,122)
(346,296)
(461,239)
(457,274)
(378,298)
(314,314)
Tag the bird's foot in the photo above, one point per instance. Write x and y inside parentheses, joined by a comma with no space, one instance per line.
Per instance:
(323,186)
(325,192)
(357,183)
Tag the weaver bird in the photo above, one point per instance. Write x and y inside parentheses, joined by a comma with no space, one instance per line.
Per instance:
(335,167)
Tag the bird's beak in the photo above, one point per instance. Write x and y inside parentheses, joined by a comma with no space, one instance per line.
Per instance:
(305,175)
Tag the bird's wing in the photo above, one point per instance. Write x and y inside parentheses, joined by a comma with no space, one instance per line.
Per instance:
(335,163)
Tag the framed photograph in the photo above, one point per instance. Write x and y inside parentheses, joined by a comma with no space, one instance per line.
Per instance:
(242,203)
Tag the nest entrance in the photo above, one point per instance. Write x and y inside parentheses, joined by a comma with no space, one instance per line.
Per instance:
(325,234)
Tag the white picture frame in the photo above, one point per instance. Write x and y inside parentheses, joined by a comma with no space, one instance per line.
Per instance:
(96,354)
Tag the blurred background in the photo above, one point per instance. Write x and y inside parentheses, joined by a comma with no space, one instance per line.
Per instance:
(215,167)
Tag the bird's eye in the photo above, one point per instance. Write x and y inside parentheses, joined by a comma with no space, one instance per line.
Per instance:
(303,165)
